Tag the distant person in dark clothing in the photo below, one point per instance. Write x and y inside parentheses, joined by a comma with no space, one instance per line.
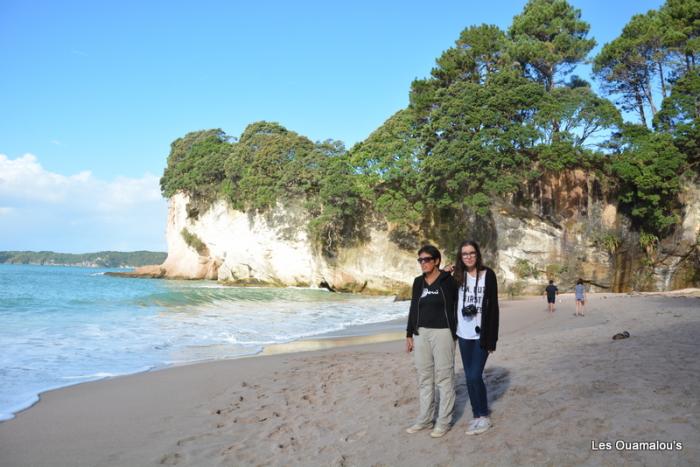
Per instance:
(551,292)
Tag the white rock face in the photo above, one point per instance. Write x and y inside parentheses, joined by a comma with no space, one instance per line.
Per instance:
(274,248)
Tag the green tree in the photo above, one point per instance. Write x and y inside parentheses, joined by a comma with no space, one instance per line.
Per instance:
(481,138)
(258,169)
(680,116)
(549,39)
(388,162)
(195,167)
(648,167)
(681,20)
(634,63)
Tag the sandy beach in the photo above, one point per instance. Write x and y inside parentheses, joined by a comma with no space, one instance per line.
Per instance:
(557,383)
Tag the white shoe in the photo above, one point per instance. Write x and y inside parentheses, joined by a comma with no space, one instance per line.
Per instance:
(439,432)
(472,424)
(482,424)
(418,427)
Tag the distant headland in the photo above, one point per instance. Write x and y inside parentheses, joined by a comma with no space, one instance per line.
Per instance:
(100,259)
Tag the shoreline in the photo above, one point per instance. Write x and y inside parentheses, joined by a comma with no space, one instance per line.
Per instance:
(354,335)
(555,383)
(362,334)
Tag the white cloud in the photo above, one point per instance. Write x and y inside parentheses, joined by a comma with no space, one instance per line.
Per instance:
(53,209)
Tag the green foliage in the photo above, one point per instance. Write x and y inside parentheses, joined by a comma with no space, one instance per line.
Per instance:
(268,163)
(680,117)
(478,137)
(338,209)
(195,167)
(194,242)
(102,259)
(648,241)
(388,165)
(549,39)
(498,110)
(609,241)
(523,269)
(648,167)
(554,270)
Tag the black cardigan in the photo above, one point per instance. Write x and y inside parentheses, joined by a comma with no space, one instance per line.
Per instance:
(489,307)
(489,312)
(449,291)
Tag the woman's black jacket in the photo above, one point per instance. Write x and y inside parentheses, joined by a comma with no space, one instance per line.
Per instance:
(489,308)
(449,290)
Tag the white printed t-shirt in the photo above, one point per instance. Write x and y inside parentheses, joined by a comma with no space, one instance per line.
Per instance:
(466,326)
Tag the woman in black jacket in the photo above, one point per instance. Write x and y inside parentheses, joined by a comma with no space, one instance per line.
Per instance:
(477,326)
(430,335)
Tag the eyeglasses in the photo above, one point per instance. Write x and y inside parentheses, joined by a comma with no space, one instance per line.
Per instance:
(425,259)
(471,254)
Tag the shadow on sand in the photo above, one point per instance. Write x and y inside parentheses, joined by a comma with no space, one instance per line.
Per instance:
(497,381)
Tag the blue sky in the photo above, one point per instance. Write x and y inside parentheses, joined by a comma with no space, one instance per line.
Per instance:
(93,93)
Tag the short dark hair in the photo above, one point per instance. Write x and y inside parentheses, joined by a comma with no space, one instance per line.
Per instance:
(580,281)
(432,251)
(551,281)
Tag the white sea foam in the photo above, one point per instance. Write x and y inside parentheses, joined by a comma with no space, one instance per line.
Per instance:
(85,326)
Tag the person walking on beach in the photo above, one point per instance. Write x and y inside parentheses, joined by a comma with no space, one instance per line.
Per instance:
(580,292)
(477,326)
(430,335)
(551,292)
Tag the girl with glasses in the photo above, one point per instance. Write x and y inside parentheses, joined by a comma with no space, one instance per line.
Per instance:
(477,326)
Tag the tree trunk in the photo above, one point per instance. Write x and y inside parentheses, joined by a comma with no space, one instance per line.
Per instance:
(663,81)
(649,97)
(640,108)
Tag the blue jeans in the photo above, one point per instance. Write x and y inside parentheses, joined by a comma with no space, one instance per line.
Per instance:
(474,361)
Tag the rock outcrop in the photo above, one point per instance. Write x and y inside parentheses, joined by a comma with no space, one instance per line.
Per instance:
(566,230)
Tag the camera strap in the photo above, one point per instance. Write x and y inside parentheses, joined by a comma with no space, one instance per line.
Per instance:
(464,289)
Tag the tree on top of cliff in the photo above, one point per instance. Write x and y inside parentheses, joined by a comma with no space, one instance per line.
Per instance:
(549,40)
(195,167)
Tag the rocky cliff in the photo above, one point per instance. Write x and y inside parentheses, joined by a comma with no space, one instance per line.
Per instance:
(569,231)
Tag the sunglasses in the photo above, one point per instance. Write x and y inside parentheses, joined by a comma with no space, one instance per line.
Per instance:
(425,259)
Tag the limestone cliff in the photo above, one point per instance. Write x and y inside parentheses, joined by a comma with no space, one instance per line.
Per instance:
(570,230)
(274,249)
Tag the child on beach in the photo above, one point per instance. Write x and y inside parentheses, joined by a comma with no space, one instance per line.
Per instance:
(580,291)
(551,292)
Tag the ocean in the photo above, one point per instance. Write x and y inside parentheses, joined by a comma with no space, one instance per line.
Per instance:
(65,325)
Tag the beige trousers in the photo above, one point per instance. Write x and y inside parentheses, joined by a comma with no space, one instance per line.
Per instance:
(434,356)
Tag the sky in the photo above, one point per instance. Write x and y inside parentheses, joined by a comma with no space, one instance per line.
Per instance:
(93,93)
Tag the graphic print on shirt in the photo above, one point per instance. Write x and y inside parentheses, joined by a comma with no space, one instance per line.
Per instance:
(469,327)
(471,296)
(427,292)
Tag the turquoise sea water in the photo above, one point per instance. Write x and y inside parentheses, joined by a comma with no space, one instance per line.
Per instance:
(64,325)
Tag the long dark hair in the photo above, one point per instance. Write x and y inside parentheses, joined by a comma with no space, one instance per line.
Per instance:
(460,269)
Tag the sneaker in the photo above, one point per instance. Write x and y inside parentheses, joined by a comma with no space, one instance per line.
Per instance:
(482,424)
(439,431)
(472,424)
(418,427)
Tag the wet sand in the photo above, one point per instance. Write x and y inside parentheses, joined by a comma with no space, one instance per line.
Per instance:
(557,383)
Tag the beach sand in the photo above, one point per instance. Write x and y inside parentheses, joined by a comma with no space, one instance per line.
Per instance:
(556,384)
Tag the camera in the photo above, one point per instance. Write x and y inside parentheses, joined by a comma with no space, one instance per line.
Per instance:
(469,311)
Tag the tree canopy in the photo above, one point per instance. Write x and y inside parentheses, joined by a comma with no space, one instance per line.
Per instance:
(499,110)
